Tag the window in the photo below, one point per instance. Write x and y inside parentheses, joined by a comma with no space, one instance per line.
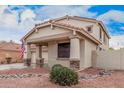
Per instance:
(64,50)
(89,28)
(100,36)
(104,39)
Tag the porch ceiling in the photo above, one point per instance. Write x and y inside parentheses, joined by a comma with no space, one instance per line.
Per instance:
(46,39)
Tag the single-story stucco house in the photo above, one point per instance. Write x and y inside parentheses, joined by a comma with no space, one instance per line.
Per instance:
(69,41)
(10,51)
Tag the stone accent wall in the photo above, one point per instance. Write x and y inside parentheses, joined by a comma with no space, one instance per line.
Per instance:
(74,65)
(27,61)
(40,62)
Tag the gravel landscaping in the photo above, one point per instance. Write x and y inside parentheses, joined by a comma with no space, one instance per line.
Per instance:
(39,78)
(6,76)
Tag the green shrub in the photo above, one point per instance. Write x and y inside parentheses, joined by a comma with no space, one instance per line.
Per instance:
(63,76)
(56,66)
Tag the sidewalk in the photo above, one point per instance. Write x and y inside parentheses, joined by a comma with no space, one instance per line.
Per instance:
(12,66)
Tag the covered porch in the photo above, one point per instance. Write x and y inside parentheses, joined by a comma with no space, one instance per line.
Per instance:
(63,49)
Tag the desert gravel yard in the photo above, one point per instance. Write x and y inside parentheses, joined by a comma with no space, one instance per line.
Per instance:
(38,78)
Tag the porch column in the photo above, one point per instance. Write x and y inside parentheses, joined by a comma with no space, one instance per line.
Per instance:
(28,58)
(38,51)
(28,51)
(39,59)
(74,52)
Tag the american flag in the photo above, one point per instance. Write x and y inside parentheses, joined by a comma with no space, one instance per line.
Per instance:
(22,49)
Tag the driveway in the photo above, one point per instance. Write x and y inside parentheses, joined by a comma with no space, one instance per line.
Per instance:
(12,66)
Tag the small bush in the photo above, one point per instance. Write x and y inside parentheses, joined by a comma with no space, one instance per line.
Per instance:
(57,66)
(63,76)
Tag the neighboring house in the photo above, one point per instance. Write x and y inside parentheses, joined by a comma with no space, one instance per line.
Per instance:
(70,41)
(10,50)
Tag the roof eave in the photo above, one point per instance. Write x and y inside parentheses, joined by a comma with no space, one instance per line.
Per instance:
(89,36)
(32,30)
(47,23)
(102,25)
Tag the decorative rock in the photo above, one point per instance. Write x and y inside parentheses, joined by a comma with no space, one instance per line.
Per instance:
(105,73)
(6,76)
(29,75)
(39,75)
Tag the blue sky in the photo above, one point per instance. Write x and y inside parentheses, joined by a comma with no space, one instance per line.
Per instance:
(16,21)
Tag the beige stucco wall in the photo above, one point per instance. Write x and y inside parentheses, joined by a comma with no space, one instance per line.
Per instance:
(84,24)
(86,45)
(33,57)
(75,48)
(52,55)
(82,54)
(89,47)
(47,31)
(109,59)
(104,45)
(44,55)
(86,48)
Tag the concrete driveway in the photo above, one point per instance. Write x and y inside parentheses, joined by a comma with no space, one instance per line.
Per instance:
(12,66)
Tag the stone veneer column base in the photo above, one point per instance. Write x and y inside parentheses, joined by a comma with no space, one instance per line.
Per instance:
(27,62)
(75,65)
(40,62)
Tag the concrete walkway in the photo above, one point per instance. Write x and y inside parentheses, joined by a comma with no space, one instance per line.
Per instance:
(12,66)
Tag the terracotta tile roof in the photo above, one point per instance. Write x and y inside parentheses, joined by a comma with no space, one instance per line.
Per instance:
(85,18)
(56,19)
(55,22)
(11,46)
(77,28)
(67,25)
(77,17)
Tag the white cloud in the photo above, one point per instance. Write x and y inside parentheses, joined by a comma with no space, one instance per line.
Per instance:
(28,20)
(57,11)
(2,8)
(27,14)
(115,15)
(9,25)
(8,18)
(117,42)
(14,30)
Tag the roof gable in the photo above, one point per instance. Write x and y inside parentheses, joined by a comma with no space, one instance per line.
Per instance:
(78,18)
(69,28)
(47,30)
(55,22)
